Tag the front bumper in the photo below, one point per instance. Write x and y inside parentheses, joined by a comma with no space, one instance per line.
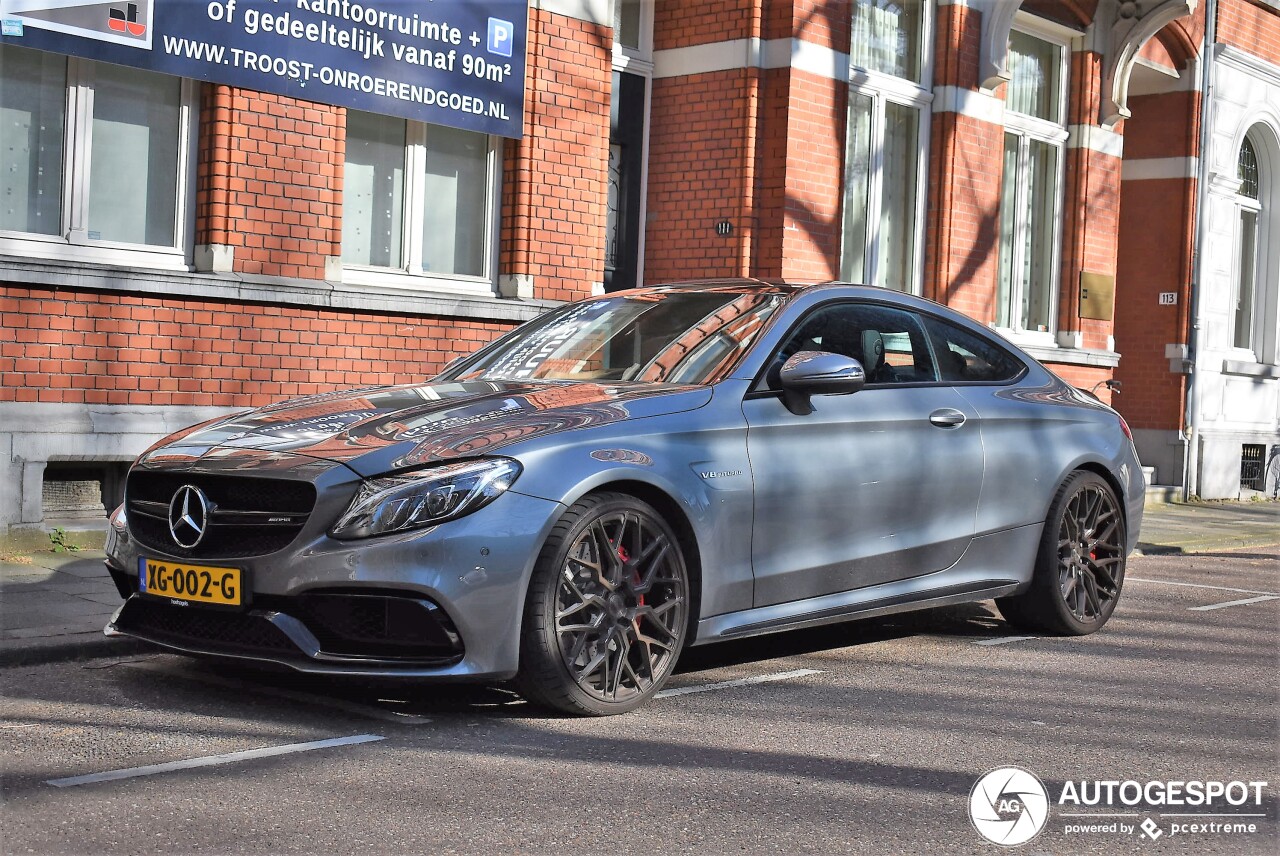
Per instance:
(443,602)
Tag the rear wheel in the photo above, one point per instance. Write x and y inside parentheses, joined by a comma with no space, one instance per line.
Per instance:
(1080,566)
(607,610)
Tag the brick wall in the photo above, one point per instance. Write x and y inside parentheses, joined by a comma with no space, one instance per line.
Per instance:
(1163,129)
(269,181)
(698,175)
(823,22)
(957,46)
(1091,205)
(1087,377)
(962,225)
(679,23)
(555,184)
(1156,226)
(85,347)
(770,207)
(815,131)
(1251,27)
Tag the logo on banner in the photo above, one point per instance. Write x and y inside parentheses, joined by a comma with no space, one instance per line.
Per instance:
(119,22)
(501,35)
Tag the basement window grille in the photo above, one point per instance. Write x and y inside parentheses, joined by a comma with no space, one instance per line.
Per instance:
(1252,471)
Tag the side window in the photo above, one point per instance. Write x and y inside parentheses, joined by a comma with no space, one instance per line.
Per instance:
(890,343)
(966,357)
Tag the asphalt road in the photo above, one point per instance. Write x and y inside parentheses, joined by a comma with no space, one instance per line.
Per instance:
(868,738)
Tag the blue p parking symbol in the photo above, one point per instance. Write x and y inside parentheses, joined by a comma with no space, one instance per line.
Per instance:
(501,35)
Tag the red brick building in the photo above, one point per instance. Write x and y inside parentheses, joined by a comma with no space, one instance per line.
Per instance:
(1034,164)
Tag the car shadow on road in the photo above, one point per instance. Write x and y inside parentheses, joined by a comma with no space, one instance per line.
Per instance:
(965,620)
(415,698)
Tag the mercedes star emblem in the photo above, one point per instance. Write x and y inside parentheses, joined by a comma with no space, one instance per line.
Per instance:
(188,516)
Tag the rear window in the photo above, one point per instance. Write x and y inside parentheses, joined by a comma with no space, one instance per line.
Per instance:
(965,357)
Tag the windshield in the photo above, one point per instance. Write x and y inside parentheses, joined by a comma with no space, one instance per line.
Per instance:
(687,337)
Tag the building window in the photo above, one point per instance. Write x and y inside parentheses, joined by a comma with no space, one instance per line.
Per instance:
(1245,334)
(887,36)
(1031,187)
(417,199)
(628,24)
(95,162)
(885,156)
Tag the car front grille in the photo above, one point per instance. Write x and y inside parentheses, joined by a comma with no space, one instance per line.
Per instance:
(395,629)
(251,516)
(233,632)
(375,625)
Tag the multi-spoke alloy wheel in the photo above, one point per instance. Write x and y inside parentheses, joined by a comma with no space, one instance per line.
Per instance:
(1089,553)
(1080,567)
(608,608)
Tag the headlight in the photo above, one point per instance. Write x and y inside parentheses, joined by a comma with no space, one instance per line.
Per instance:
(426,497)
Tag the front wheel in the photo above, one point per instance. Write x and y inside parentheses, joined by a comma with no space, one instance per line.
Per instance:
(1080,565)
(607,610)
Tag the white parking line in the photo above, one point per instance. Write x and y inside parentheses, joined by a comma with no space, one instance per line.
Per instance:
(1198,585)
(212,760)
(741,682)
(1234,603)
(1002,640)
(311,699)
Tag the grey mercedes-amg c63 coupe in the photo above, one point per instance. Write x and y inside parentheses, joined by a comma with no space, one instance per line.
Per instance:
(575,503)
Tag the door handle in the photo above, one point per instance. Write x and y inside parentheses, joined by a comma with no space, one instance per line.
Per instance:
(947,418)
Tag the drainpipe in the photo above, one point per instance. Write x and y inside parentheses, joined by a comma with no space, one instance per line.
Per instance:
(1191,465)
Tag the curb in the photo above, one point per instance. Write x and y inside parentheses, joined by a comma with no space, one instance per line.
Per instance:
(1197,548)
(90,645)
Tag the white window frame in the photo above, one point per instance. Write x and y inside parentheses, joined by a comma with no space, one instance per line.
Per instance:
(1241,204)
(883,88)
(410,275)
(1264,348)
(1027,128)
(73,242)
(626,58)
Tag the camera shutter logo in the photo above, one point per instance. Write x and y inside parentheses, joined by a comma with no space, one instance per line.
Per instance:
(1009,806)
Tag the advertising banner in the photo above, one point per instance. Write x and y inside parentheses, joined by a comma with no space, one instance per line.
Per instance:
(451,62)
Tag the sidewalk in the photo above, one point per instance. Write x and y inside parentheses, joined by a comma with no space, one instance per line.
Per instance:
(53,606)
(1202,527)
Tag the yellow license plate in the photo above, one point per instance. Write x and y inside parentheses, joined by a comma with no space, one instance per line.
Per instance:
(192,583)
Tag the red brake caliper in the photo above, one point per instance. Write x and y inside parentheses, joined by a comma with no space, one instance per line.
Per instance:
(624,556)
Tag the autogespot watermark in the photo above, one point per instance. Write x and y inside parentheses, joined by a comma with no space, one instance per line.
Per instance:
(1010,806)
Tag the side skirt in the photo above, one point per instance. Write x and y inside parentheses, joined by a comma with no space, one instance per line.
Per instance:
(994,565)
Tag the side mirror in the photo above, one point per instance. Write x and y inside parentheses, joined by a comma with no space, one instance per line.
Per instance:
(809,373)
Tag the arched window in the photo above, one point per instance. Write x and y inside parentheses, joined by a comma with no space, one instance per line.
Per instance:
(1245,332)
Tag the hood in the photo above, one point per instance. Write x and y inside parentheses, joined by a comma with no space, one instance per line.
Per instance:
(381,429)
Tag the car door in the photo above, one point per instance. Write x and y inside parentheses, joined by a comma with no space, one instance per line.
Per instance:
(867,488)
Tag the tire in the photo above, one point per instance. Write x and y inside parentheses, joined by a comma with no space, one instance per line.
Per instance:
(607,611)
(1080,565)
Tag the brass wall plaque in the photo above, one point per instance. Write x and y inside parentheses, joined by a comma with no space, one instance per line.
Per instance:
(1097,296)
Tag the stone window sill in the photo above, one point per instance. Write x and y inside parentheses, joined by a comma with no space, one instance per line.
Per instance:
(1258,370)
(242,288)
(1074,356)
